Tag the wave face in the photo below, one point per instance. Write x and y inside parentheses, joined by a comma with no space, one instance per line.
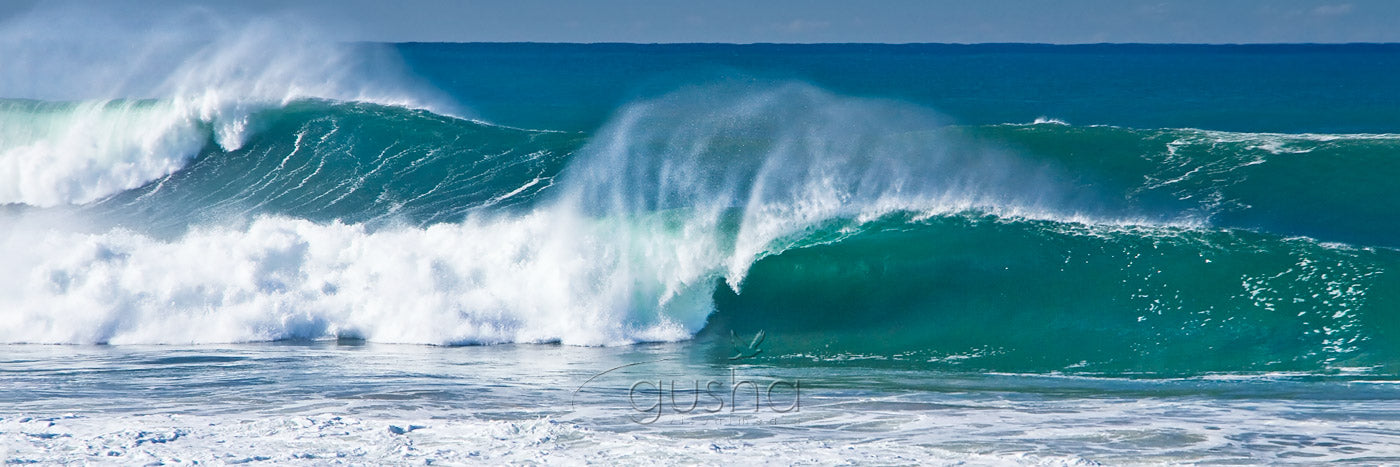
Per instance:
(1325,186)
(354,162)
(846,228)
(982,293)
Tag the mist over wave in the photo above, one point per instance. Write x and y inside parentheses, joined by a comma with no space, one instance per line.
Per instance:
(123,106)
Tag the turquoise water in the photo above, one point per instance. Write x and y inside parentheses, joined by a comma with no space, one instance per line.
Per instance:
(1182,252)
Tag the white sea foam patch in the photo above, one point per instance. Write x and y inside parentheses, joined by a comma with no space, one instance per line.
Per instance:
(536,278)
(52,154)
(327,438)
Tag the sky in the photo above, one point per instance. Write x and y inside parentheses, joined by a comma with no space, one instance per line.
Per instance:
(790,21)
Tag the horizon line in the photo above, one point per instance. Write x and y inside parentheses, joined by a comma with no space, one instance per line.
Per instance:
(1053,44)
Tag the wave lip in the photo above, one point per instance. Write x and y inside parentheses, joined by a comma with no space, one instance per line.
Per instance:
(73,153)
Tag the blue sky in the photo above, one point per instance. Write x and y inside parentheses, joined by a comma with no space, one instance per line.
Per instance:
(966,21)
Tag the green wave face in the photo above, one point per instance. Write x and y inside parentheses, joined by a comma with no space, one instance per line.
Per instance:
(987,294)
(1331,187)
(354,162)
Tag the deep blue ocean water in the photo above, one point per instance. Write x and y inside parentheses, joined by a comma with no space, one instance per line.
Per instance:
(1246,88)
(368,253)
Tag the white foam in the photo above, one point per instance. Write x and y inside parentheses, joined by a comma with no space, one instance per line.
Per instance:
(76,153)
(326,438)
(956,429)
(531,279)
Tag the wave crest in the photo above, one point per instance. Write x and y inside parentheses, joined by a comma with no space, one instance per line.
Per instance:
(124,106)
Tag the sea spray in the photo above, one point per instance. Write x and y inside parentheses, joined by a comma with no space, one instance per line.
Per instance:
(784,159)
(132,105)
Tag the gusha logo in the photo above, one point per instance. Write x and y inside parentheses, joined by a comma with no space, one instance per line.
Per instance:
(687,400)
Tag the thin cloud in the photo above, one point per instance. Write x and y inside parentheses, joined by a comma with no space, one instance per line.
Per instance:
(1332,10)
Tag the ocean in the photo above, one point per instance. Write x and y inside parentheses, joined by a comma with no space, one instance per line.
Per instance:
(308,253)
